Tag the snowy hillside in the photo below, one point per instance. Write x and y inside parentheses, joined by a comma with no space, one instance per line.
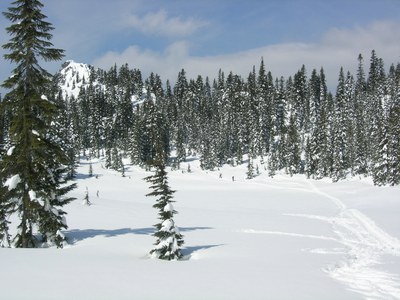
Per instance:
(73,77)
(265,238)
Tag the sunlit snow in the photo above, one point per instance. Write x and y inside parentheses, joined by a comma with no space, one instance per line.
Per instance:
(10,151)
(265,238)
(12,182)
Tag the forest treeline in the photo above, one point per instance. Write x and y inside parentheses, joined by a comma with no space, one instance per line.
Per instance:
(294,124)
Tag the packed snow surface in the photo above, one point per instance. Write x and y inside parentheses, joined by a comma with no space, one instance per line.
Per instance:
(264,238)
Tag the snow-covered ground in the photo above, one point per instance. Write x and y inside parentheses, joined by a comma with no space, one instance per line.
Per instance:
(265,238)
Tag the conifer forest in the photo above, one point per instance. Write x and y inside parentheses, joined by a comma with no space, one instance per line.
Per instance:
(294,124)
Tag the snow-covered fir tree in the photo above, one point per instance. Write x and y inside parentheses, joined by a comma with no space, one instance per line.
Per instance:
(169,240)
(393,176)
(33,171)
(360,159)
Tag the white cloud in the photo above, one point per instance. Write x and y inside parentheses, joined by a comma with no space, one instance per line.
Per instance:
(165,64)
(338,47)
(160,23)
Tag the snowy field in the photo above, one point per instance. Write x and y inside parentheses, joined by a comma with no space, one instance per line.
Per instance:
(265,238)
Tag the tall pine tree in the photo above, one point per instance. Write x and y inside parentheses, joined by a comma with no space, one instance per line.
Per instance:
(33,170)
(169,240)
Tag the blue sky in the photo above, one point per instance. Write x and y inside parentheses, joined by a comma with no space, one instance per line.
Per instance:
(164,36)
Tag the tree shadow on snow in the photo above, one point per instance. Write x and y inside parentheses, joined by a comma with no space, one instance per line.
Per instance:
(188,229)
(77,235)
(81,176)
(189,252)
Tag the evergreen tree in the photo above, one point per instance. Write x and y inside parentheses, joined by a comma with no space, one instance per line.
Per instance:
(122,165)
(108,159)
(341,156)
(393,176)
(208,130)
(374,110)
(317,146)
(280,115)
(116,163)
(250,169)
(181,94)
(320,146)
(34,173)
(273,163)
(315,94)
(381,167)
(293,149)
(393,125)
(66,130)
(4,235)
(5,210)
(252,117)
(169,240)
(360,158)
(300,100)
(265,93)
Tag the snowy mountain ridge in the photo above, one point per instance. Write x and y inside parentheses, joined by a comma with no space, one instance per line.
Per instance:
(73,76)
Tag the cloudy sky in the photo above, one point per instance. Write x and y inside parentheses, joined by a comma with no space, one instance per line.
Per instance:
(202,36)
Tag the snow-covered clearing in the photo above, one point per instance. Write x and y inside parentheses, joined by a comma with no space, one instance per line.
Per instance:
(265,238)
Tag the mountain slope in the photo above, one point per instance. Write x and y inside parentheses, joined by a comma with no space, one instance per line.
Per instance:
(73,76)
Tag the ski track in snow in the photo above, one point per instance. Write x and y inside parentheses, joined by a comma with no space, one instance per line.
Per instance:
(364,246)
(310,236)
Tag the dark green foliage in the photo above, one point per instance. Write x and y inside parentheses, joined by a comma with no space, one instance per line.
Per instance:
(360,158)
(37,163)
(341,128)
(169,240)
(250,170)
(5,209)
(393,135)
(293,148)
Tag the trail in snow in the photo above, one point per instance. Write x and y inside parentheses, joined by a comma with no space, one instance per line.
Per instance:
(366,244)
(310,236)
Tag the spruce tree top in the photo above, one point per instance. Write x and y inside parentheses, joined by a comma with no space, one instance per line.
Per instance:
(30,41)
